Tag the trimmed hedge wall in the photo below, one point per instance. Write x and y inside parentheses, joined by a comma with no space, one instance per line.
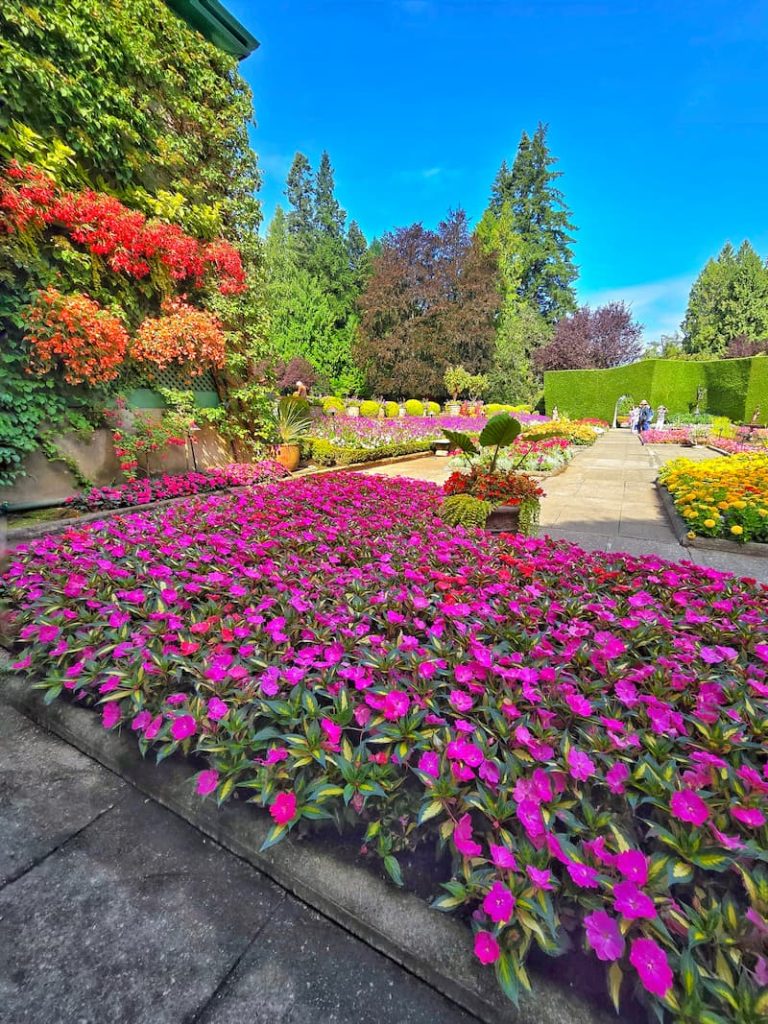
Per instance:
(735,387)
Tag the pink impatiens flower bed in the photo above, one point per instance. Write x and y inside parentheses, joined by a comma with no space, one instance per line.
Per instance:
(177,485)
(584,733)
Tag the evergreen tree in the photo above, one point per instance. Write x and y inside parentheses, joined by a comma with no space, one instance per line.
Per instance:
(542,220)
(300,193)
(329,216)
(728,300)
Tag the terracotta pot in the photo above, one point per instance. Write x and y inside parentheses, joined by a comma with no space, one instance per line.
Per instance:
(288,455)
(504,519)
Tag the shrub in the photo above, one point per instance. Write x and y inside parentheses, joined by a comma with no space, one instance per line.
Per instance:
(332,402)
(434,408)
(413,407)
(191,338)
(326,453)
(369,409)
(391,409)
(582,733)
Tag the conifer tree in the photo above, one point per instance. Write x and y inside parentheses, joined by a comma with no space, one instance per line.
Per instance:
(728,300)
(542,220)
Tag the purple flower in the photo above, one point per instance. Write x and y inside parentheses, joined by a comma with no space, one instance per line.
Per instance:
(582,766)
(217,709)
(207,781)
(499,903)
(486,948)
(604,936)
(688,806)
(650,962)
(110,714)
(633,866)
(633,902)
(429,763)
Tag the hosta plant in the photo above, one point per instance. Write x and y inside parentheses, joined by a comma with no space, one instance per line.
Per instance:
(582,735)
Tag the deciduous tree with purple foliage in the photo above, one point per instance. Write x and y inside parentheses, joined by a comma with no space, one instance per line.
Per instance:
(431,302)
(593,339)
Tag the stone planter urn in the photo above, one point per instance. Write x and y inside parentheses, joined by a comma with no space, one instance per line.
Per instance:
(452,409)
(504,519)
(353,411)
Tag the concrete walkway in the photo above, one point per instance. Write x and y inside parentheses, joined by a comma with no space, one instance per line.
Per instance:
(114,909)
(606,500)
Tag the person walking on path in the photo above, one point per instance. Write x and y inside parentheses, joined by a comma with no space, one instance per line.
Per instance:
(634,418)
(644,420)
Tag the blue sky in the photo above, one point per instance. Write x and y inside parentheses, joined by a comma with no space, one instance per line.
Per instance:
(658,113)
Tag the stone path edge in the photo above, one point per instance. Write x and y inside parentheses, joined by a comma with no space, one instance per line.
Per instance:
(430,945)
(705,543)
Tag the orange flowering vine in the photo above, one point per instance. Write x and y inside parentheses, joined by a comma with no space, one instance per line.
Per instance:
(88,342)
(183,334)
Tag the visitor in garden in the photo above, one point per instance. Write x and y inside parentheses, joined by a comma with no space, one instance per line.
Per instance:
(634,418)
(661,417)
(301,389)
(644,419)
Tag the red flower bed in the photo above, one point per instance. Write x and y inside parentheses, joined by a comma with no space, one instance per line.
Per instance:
(498,488)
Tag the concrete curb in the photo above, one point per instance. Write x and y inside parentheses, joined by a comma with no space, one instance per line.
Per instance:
(730,547)
(433,946)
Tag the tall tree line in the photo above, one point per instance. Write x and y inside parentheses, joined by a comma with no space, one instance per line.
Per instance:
(315,269)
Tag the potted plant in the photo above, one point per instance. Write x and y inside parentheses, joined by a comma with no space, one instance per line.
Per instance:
(456,380)
(292,421)
(477,385)
(498,501)
(353,407)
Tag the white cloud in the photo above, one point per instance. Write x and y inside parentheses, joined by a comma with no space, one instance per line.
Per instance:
(658,305)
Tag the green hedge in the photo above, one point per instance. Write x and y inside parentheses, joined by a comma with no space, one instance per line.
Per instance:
(735,387)
(325,453)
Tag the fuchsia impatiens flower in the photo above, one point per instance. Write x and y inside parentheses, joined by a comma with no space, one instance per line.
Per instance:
(551,719)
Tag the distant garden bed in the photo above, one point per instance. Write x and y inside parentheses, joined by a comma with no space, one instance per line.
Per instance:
(551,719)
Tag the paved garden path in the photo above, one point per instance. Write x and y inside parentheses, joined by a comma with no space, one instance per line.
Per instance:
(606,501)
(114,909)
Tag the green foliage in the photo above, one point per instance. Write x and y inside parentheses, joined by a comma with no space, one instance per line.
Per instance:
(292,420)
(326,453)
(734,387)
(413,407)
(465,510)
(499,432)
(170,113)
(729,299)
(535,210)
(315,269)
(332,402)
(391,409)
(457,381)
(369,409)
(434,408)
(54,453)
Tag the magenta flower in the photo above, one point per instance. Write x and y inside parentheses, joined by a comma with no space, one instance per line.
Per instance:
(429,763)
(503,858)
(153,728)
(633,866)
(688,806)
(499,903)
(530,817)
(487,948)
(141,721)
(582,767)
(650,962)
(462,838)
(616,776)
(582,875)
(217,709)
(752,817)
(283,808)
(183,727)
(332,730)
(604,936)
(207,781)
(396,704)
(110,714)
(633,902)
(541,878)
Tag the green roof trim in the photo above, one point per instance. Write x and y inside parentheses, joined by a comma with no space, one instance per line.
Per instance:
(219,27)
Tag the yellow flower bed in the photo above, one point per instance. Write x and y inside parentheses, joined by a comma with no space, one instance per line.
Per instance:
(721,497)
(576,433)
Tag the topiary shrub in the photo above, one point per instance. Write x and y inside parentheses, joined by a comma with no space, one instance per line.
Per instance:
(493,407)
(332,403)
(434,408)
(369,409)
(465,510)
(413,407)
(391,410)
